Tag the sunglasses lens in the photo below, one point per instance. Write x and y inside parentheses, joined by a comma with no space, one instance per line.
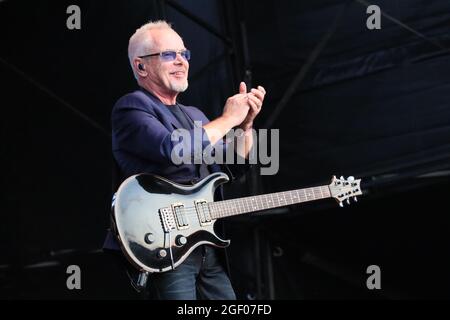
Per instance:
(168,55)
(186,54)
(172,55)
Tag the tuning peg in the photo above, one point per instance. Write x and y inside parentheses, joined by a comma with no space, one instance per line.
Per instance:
(351,178)
(348,201)
(341,204)
(342,178)
(355,198)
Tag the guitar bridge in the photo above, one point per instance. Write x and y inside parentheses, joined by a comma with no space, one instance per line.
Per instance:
(203,213)
(167,219)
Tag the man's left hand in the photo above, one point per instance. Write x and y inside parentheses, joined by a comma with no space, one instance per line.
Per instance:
(255,102)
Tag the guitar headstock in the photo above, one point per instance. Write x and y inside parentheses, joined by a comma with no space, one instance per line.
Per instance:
(344,189)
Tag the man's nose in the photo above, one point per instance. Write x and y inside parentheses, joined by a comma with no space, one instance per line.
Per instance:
(179,59)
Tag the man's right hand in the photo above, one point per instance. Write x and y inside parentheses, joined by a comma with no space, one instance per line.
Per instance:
(234,113)
(237,107)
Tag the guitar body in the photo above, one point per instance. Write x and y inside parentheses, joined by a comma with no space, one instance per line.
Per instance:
(159,222)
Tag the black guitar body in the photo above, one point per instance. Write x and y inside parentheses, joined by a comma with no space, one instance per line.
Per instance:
(159,222)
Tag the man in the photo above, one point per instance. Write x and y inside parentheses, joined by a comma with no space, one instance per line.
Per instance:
(143,123)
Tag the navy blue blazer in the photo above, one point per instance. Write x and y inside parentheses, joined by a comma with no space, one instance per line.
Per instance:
(141,141)
(141,137)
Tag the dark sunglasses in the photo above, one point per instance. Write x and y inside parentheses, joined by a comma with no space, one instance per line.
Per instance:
(170,55)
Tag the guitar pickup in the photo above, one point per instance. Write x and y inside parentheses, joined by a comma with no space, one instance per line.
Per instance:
(180,215)
(203,213)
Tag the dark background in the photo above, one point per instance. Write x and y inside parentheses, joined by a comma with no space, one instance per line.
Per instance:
(368,103)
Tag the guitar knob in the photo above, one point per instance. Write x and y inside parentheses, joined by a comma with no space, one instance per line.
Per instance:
(162,253)
(149,238)
(181,241)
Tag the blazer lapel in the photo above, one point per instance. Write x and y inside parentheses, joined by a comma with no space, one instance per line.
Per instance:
(163,110)
(195,120)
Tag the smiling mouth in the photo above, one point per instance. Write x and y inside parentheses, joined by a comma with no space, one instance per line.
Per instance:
(178,73)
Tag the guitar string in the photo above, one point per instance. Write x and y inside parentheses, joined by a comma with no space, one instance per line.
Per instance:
(314,195)
(192,211)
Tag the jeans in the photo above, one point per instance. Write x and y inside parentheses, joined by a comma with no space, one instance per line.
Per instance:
(200,276)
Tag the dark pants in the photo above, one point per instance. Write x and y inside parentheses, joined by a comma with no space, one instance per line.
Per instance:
(200,276)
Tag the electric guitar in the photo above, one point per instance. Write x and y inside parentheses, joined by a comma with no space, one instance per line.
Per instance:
(159,222)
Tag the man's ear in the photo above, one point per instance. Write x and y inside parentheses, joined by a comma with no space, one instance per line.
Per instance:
(140,67)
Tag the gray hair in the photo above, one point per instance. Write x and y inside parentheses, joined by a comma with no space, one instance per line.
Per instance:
(141,42)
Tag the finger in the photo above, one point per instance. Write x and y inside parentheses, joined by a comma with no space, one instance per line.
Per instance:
(254,108)
(242,87)
(255,99)
(240,97)
(253,105)
(258,93)
(262,89)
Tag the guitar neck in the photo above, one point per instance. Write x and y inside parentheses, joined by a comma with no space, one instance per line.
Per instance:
(227,208)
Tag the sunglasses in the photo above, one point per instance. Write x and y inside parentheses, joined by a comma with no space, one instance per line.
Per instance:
(170,55)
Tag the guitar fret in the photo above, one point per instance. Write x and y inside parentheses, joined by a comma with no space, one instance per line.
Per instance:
(221,210)
(218,210)
(320,191)
(311,193)
(253,204)
(217,207)
(260,201)
(282,199)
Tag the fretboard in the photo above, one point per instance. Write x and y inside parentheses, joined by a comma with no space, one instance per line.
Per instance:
(222,209)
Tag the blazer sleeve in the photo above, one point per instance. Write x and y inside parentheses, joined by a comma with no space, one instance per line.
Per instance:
(137,130)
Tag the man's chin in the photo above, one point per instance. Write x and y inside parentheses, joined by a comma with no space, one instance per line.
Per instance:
(179,87)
